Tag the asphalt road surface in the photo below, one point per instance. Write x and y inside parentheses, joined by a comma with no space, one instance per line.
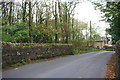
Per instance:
(89,65)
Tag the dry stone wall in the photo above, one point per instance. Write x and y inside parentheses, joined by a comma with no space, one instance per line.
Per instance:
(15,52)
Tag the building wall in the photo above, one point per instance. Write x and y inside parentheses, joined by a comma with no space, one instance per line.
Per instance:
(99,44)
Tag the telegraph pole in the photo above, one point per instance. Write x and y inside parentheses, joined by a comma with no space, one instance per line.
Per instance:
(90,31)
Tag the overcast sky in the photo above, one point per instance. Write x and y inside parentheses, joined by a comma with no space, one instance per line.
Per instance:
(86,12)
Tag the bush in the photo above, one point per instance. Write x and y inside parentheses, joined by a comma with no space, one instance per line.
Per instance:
(14,34)
(20,33)
(80,44)
(21,36)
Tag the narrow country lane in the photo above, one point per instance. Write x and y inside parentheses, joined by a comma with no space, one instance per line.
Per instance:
(89,65)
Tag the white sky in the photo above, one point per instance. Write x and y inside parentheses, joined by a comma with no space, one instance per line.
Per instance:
(86,12)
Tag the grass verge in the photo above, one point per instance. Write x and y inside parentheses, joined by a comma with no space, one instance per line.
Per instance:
(86,51)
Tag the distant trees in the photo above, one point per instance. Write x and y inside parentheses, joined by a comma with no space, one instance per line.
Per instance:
(41,21)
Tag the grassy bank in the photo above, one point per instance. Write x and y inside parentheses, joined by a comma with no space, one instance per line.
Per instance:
(86,51)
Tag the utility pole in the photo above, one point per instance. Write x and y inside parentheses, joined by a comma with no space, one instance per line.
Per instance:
(86,31)
(90,31)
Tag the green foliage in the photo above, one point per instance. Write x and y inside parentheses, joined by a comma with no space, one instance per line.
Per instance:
(20,33)
(21,36)
(86,51)
(80,44)
(43,35)
(118,42)
(45,22)
(6,37)
(7,33)
(112,15)
(16,33)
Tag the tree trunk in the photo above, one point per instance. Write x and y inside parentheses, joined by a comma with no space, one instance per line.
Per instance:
(56,35)
(72,38)
(60,19)
(66,22)
(3,12)
(24,10)
(30,21)
(10,13)
(36,15)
